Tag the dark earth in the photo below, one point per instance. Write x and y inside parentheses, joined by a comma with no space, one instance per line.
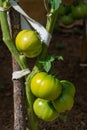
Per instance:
(69,69)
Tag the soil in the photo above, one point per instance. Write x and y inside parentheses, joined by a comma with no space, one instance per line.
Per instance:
(69,68)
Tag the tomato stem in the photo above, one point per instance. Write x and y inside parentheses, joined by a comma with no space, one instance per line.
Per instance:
(8,40)
(51,19)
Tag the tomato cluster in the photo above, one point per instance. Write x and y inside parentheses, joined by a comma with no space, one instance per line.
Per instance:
(53,96)
(28,43)
(70,12)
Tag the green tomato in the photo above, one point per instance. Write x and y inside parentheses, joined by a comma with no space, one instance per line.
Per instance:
(79,11)
(63,103)
(67,19)
(28,42)
(45,86)
(63,9)
(44,110)
(68,87)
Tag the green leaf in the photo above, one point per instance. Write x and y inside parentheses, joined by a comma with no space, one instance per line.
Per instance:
(48,60)
(59,57)
(47,66)
(54,3)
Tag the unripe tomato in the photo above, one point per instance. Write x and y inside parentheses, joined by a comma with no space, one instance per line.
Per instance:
(67,19)
(63,9)
(45,86)
(68,87)
(63,103)
(44,110)
(79,11)
(28,42)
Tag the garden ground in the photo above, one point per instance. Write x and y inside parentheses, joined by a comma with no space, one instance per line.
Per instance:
(69,69)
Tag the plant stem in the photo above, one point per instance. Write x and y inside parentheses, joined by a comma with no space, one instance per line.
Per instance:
(51,19)
(7,38)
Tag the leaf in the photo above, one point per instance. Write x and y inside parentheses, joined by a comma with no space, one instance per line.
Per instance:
(59,57)
(47,66)
(48,60)
(54,3)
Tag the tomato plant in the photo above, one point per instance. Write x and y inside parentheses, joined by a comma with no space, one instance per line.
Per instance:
(44,110)
(28,42)
(45,86)
(40,83)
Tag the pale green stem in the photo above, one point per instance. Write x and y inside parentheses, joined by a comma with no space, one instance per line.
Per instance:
(8,40)
(51,19)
